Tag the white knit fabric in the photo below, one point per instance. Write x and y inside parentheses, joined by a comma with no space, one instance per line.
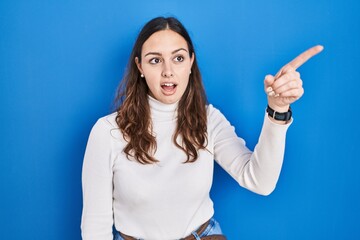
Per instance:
(170,199)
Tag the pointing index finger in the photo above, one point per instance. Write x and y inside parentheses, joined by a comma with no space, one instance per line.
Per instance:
(303,57)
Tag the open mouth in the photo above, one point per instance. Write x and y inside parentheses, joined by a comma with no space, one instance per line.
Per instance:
(168,87)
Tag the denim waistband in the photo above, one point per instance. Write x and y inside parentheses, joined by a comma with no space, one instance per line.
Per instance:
(212,228)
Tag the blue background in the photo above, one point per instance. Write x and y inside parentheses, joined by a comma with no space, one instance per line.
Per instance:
(60,62)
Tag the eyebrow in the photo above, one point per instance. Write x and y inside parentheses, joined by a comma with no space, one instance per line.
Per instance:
(159,54)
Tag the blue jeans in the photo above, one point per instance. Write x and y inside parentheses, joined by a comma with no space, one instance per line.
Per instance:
(211,229)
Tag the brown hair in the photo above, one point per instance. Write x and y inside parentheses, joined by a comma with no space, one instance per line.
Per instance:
(133,111)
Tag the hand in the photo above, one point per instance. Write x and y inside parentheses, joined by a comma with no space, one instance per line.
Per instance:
(286,86)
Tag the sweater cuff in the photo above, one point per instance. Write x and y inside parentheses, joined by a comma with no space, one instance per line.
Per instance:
(275,127)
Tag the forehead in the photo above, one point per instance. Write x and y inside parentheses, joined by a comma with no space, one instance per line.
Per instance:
(164,41)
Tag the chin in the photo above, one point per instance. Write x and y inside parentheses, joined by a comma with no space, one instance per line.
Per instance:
(169,99)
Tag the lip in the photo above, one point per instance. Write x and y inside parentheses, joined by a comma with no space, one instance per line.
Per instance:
(168,88)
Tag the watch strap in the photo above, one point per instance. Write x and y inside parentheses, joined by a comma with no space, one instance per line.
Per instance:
(281,116)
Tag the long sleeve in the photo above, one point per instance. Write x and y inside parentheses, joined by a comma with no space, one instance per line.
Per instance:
(97,183)
(257,171)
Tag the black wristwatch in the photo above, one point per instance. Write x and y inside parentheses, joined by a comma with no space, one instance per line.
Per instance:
(281,116)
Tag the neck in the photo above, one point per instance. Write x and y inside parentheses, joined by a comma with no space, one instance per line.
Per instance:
(162,111)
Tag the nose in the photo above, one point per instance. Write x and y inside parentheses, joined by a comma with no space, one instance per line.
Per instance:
(167,71)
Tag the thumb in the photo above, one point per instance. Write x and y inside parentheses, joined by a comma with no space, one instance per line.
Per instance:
(268,81)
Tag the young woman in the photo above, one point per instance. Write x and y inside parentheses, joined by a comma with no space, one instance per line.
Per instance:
(148,167)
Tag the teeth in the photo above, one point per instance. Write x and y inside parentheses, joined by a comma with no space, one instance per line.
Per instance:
(168,84)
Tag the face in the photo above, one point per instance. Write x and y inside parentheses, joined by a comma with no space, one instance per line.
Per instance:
(166,65)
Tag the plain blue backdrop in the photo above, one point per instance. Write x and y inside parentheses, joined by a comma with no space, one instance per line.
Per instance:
(61,61)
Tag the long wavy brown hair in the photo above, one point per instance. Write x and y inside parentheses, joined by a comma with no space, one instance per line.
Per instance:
(133,110)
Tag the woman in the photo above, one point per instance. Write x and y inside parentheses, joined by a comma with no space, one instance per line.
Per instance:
(148,167)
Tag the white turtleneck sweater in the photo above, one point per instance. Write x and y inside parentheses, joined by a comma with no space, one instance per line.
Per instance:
(169,199)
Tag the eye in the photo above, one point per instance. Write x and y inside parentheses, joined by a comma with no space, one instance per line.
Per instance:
(179,58)
(155,60)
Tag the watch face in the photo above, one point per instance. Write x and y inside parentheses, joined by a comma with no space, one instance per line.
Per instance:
(285,116)
(280,116)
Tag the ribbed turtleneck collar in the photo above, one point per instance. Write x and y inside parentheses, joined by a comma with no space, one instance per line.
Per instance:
(162,111)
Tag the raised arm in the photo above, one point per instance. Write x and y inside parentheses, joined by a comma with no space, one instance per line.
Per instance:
(286,86)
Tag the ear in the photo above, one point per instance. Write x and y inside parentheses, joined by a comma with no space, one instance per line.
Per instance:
(138,64)
(192,59)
